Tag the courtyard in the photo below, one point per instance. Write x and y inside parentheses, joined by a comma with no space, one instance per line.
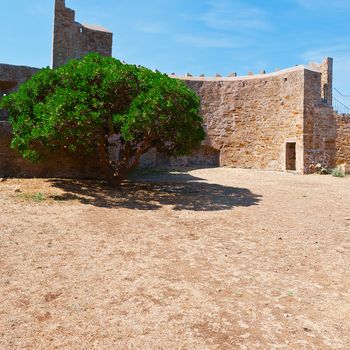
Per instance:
(203,259)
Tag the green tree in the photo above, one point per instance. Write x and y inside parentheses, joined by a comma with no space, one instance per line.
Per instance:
(101,105)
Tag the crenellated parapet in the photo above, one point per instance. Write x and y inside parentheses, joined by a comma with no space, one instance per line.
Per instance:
(234,76)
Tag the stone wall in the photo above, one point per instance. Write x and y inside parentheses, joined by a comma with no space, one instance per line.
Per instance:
(320,130)
(342,156)
(326,134)
(249,120)
(326,85)
(74,40)
(10,78)
(18,74)
(57,165)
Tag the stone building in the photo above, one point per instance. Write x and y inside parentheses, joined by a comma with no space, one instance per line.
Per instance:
(281,121)
(74,40)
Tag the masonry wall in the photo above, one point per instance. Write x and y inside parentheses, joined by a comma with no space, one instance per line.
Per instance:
(10,78)
(250,120)
(342,155)
(74,40)
(57,165)
(327,134)
(326,83)
(18,74)
(319,125)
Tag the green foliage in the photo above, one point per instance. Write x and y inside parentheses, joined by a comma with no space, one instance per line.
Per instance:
(338,173)
(76,106)
(38,197)
(35,197)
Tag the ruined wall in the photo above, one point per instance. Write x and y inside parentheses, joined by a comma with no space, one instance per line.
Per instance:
(249,120)
(319,125)
(326,84)
(75,40)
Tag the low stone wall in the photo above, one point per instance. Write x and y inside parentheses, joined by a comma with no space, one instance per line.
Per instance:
(58,165)
(82,166)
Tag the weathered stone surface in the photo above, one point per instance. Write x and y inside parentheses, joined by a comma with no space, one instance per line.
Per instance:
(249,120)
(57,165)
(342,156)
(18,74)
(10,78)
(75,40)
(326,134)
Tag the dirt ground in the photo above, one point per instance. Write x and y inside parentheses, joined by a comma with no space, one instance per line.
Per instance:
(205,259)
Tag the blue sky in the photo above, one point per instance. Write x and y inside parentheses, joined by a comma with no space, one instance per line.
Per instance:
(197,36)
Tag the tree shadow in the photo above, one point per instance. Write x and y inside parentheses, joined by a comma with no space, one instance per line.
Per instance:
(182,191)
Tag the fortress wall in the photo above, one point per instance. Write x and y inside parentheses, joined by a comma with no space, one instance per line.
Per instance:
(74,40)
(250,120)
(342,156)
(18,74)
(10,78)
(57,165)
(319,125)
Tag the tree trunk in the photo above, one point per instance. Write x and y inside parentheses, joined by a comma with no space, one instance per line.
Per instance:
(104,161)
(130,161)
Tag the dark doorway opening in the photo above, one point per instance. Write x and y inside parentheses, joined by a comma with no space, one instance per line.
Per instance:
(291,156)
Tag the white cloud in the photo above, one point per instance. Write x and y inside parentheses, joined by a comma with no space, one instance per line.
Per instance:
(227,15)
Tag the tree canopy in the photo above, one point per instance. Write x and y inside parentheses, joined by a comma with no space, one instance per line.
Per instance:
(101,105)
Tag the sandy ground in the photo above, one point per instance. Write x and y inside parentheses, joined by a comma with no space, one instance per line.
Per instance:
(208,259)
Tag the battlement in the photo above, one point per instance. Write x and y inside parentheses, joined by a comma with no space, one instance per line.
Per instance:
(234,77)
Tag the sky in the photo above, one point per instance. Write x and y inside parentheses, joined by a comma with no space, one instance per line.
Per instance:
(196,36)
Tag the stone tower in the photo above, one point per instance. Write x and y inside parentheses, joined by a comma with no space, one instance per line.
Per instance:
(326,69)
(74,40)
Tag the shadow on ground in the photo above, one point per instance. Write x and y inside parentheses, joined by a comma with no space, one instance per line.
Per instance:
(181,190)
